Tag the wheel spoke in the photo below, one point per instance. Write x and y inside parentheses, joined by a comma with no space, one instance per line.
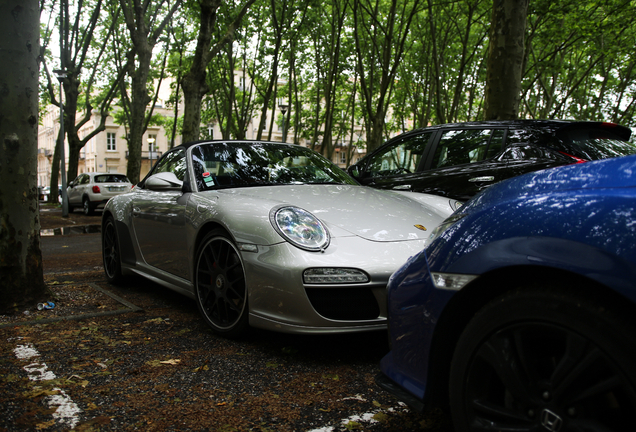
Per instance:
(600,388)
(500,353)
(572,364)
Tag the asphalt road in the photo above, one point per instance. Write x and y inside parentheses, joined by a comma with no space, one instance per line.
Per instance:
(75,252)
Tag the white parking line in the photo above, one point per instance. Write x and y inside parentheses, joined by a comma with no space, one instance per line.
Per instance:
(67,412)
(368,418)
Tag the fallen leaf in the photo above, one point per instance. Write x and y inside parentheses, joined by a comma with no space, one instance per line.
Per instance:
(353,425)
(45,425)
(381,417)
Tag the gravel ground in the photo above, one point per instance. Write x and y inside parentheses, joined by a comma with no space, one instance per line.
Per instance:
(138,357)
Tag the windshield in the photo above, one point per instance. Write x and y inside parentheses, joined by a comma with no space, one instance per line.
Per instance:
(111,178)
(220,164)
(595,143)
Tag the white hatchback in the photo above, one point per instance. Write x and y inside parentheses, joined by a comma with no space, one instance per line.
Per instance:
(93,190)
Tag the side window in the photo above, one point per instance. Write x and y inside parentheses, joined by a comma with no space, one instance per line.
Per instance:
(402,158)
(496,143)
(459,147)
(174,162)
(523,152)
(84,180)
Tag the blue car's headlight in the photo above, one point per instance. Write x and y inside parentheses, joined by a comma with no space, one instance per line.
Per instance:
(445,225)
(300,228)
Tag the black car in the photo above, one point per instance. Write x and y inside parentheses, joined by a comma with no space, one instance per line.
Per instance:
(459,160)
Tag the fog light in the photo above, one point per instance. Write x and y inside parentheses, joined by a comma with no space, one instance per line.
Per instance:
(334,276)
(450,281)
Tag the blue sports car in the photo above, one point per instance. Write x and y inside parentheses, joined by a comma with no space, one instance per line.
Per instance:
(520,315)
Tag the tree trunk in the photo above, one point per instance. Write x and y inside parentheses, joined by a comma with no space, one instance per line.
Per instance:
(20,255)
(194,81)
(505,59)
(139,101)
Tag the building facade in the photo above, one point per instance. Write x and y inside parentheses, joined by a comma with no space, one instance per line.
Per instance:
(107,151)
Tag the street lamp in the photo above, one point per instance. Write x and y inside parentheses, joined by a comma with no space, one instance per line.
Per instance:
(283,108)
(61,76)
(151,142)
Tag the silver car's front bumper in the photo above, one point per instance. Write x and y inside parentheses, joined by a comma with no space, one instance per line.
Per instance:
(279,299)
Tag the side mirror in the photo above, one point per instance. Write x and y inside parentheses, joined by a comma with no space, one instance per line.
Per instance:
(354,171)
(164,181)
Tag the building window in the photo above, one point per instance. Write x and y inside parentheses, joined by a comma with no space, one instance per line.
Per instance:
(111,141)
(343,157)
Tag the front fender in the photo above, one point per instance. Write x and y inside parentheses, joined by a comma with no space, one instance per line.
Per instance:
(572,256)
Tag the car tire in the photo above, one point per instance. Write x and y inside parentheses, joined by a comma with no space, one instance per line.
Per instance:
(111,252)
(221,290)
(545,359)
(87,207)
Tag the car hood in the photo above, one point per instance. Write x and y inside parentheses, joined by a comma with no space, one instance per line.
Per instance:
(612,173)
(369,213)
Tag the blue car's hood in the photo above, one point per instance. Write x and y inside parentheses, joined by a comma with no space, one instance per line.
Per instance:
(608,173)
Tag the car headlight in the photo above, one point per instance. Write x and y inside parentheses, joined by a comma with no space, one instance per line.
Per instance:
(446,224)
(454,204)
(300,228)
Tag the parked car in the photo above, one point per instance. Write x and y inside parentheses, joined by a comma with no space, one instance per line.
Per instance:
(521,311)
(267,235)
(92,190)
(45,193)
(459,160)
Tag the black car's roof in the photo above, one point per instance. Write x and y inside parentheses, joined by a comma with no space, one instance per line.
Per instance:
(551,125)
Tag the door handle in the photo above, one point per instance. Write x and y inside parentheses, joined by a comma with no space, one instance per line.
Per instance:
(482,179)
(402,187)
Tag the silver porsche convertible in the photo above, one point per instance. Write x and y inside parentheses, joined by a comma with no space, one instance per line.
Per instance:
(267,235)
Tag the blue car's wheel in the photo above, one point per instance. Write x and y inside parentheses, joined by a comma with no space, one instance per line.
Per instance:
(221,291)
(545,360)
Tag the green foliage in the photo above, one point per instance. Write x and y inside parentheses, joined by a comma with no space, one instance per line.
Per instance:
(581,60)
(348,67)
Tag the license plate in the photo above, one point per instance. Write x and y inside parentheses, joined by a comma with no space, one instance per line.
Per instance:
(116,188)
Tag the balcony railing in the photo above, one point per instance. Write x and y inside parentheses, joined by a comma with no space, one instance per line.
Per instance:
(146,155)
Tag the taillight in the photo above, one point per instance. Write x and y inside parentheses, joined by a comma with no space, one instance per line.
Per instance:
(577,160)
(96,189)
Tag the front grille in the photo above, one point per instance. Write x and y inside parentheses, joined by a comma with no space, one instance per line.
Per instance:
(344,304)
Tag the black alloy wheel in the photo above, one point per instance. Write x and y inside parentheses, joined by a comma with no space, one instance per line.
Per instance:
(221,291)
(111,254)
(544,360)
